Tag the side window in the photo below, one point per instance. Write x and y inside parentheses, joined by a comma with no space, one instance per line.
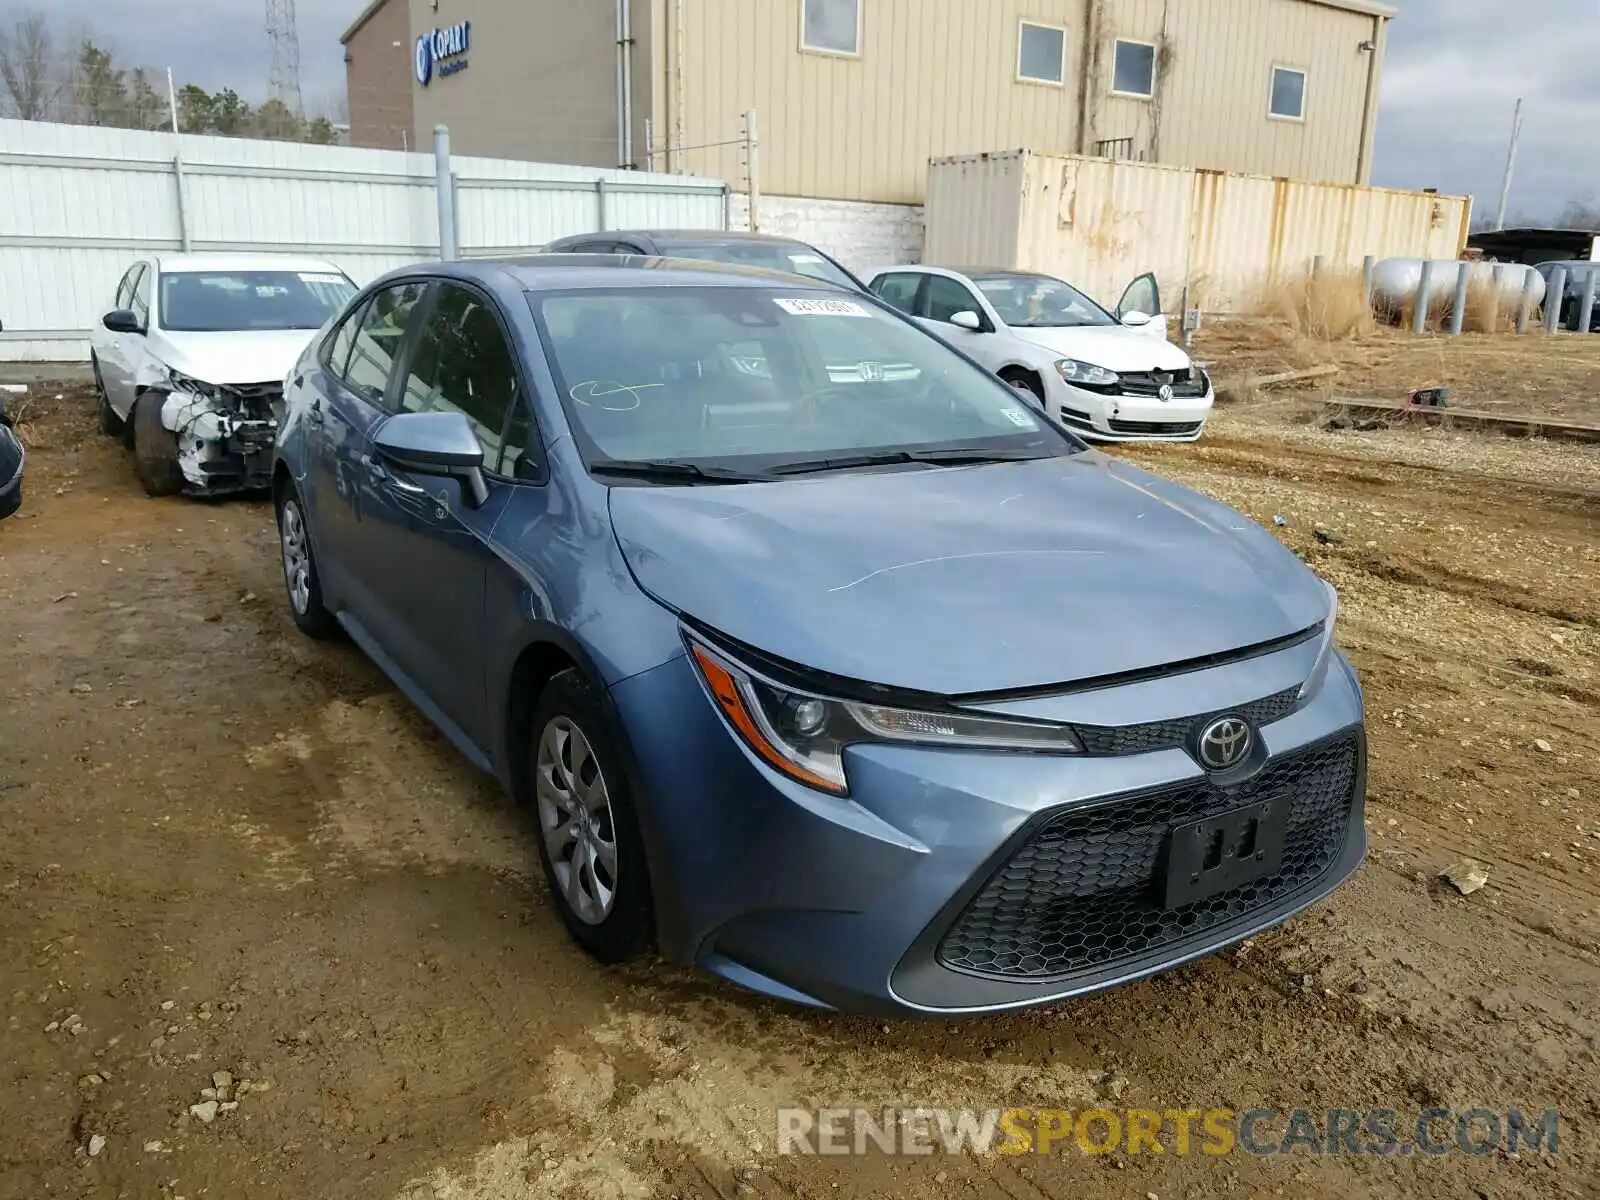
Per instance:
(898,290)
(463,363)
(139,302)
(336,350)
(945,298)
(125,289)
(377,341)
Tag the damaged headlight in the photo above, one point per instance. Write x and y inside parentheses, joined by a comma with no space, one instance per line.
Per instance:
(180,382)
(1074,371)
(804,735)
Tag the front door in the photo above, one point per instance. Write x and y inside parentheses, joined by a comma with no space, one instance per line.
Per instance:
(941,299)
(432,596)
(1143,297)
(359,375)
(118,353)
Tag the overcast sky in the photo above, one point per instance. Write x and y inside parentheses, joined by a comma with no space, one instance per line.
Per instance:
(1455,70)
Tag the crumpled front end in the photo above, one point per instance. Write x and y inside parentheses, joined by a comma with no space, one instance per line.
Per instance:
(225,434)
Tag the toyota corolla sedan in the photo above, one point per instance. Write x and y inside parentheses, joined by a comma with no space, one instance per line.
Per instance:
(885,695)
(1112,377)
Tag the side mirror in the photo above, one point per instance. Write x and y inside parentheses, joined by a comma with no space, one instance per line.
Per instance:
(435,443)
(967,320)
(1135,319)
(122,321)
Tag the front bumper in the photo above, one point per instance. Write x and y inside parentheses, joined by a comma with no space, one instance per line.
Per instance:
(933,888)
(224,445)
(1106,417)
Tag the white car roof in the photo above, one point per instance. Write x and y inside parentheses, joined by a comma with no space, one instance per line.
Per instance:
(170,263)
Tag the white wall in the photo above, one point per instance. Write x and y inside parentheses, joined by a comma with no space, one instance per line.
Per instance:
(80,203)
(861,235)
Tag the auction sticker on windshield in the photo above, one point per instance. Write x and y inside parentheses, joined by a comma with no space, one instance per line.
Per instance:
(309,277)
(822,308)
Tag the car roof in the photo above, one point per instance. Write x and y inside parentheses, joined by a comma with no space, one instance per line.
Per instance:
(168,263)
(667,236)
(550,272)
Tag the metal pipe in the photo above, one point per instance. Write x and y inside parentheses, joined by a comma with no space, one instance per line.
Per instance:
(603,221)
(677,87)
(1419,315)
(622,68)
(1316,266)
(1498,282)
(1554,298)
(627,83)
(1369,106)
(444,187)
(1511,165)
(1585,314)
(183,204)
(1367,264)
(1458,304)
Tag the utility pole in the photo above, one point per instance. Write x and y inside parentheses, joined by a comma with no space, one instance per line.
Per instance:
(172,101)
(285,38)
(752,168)
(1511,164)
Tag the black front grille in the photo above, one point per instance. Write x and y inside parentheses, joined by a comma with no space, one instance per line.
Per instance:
(1150,383)
(1170,428)
(1085,889)
(1167,735)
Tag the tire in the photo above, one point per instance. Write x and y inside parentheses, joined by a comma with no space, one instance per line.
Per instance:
(1024,381)
(110,424)
(573,750)
(301,583)
(155,448)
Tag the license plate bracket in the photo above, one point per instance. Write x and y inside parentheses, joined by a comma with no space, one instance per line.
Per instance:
(1216,854)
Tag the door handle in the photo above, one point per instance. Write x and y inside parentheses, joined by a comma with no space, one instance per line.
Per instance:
(314,413)
(382,477)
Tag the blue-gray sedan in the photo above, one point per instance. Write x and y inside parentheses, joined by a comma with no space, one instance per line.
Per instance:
(826,662)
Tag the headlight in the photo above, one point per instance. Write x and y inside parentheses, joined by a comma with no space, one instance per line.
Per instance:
(804,734)
(187,383)
(1074,371)
(1319,668)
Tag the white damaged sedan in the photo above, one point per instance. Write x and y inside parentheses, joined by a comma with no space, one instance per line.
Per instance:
(1108,377)
(189,364)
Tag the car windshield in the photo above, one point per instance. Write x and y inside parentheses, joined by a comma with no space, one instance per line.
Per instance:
(796,258)
(1039,302)
(763,378)
(239,301)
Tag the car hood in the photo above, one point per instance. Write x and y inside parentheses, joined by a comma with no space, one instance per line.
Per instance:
(260,356)
(971,579)
(1114,347)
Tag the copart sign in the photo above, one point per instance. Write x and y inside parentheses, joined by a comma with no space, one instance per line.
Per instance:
(443,52)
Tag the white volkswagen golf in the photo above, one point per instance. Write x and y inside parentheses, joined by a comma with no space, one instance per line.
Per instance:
(189,363)
(1111,378)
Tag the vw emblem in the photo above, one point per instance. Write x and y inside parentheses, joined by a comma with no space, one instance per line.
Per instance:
(424,59)
(1225,742)
(1165,393)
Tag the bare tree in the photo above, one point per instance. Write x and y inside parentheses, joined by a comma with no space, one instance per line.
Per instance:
(35,73)
(1581,213)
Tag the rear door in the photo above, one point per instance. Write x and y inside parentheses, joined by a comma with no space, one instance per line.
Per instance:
(341,424)
(430,595)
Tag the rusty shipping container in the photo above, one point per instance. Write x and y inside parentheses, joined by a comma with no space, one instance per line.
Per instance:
(1099,222)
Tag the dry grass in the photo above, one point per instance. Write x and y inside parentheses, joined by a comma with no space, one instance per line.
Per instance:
(1330,307)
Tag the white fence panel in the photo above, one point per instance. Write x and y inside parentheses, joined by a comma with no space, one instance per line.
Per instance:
(81,203)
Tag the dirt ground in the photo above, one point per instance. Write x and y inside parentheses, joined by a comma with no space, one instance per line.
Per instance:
(1534,375)
(226,849)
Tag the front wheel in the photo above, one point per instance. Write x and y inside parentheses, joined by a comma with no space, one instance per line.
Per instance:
(589,841)
(300,578)
(1025,381)
(155,448)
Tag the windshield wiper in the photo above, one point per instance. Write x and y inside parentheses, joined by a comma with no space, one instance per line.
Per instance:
(951,456)
(666,470)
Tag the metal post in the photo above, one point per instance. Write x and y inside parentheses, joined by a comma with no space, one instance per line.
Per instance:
(1586,305)
(1511,164)
(1458,305)
(752,159)
(727,207)
(183,205)
(1367,264)
(603,220)
(622,103)
(1525,305)
(445,188)
(1497,285)
(1555,296)
(1419,317)
(1316,266)
(172,100)
(649,145)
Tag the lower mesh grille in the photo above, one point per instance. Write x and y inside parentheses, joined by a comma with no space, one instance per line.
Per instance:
(1084,891)
(1171,428)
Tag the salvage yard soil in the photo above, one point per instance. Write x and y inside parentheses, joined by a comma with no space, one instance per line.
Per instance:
(224,848)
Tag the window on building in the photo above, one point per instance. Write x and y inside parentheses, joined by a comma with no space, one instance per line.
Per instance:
(464,364)
(1133,70)
(831,26)
(1041,53)
(1288,94)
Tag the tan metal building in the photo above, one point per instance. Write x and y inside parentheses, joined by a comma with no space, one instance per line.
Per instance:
(853,97)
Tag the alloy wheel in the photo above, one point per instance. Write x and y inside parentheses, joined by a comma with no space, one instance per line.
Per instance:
(296,556)
(575,820)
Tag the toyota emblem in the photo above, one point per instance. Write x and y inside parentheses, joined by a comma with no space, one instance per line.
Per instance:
(1225,742)
(1165,393)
